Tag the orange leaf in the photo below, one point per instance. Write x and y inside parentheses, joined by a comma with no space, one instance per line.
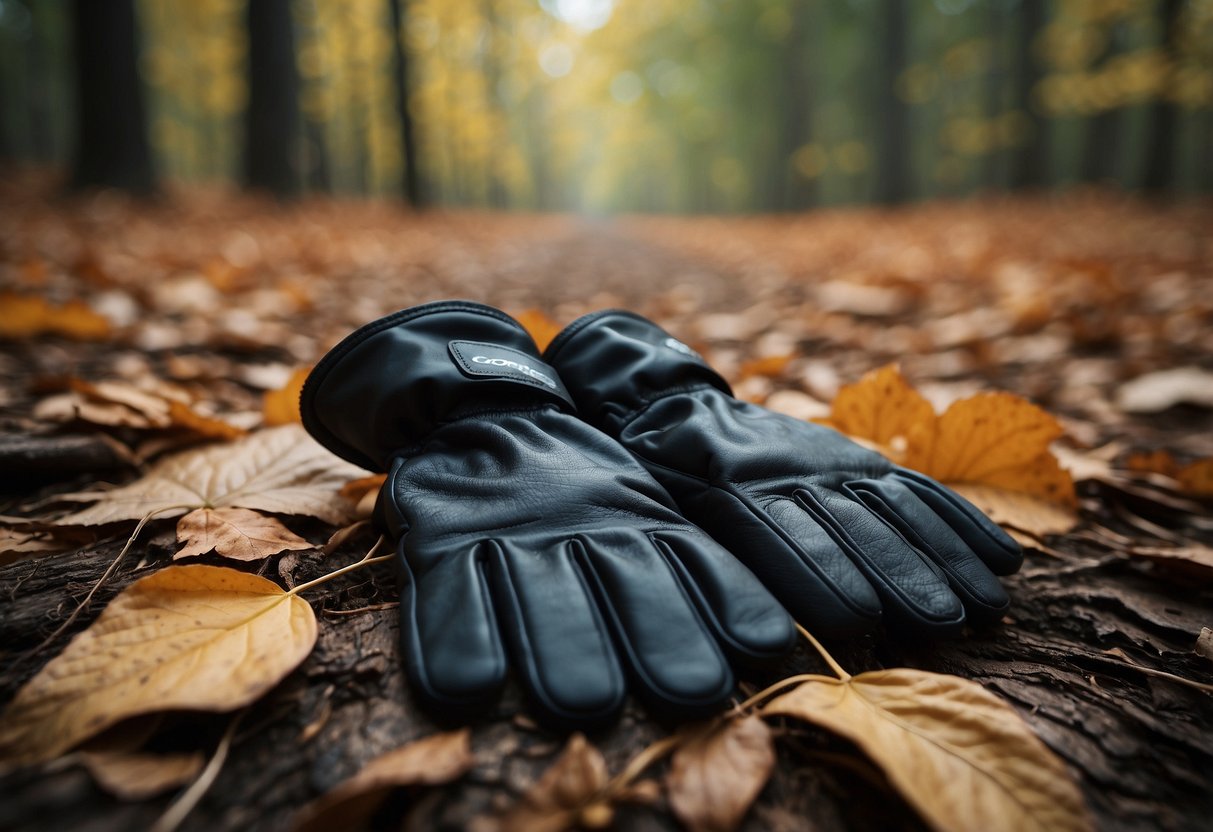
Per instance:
(281,407)
(236,533)
(1153,462)
(186,417)
(542,328)
(881,407)
(1197,477)
(23,316)
(770,366)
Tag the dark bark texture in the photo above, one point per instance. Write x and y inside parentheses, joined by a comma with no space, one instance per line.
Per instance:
(271,147)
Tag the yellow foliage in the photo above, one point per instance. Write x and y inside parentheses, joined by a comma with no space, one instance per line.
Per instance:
(24,316)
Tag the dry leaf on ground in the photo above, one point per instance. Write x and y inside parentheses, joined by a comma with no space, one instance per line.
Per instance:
(235,533)
(1204,643)
(565,797)
(17,545)
(991,447)
(958,754)
(139,775)
(280,470)
(429,761)
(540,327)
(1155,392)
(281,407)
(23,316)
(1197,478)
(183,638)
(715,776)
(154,405)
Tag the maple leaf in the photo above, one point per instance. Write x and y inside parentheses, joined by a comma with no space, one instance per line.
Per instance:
(279,470)
(430,761)
(203,638)
(993,448)
(281,406)
(235,533)
(958,754)
(717,774)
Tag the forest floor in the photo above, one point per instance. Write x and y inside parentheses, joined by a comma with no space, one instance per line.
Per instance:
(1094,306)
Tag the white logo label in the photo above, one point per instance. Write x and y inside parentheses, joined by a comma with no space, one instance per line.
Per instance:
(529,372)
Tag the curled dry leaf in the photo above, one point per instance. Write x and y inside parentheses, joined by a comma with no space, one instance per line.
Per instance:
(235,533)
(280,470)
(993,446)
(281,407)
(1204,643)
(1155,392)
(184,638)
(717,774)
(567,796)
(430,761)
(958,754)
(139,775)
(153,405)
(17,545)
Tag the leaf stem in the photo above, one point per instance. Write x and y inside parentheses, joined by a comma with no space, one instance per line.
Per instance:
(105,576)
(636,766)
(187,800)
(790,681)
(366,560)
(835,666)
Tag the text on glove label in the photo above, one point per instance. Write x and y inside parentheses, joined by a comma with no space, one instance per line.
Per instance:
(479,359)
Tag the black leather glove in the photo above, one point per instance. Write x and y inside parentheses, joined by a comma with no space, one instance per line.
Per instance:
(523,531)
(836,531)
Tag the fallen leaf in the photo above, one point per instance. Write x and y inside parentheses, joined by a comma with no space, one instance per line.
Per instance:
(185,417)
(139,775)
(235,533)
(993,445)
(716,775)
(1204,643)
(122,404)
(1187,555)
(1152,462)
(196,637)
(541,328)
(1197,478)
(958,754)
(17,545)
(565,797)
(768,367)
(24,316)
(280,470)
(430,761)
(1155,392)
(281,407)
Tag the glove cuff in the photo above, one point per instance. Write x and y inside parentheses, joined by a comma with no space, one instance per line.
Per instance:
(389,384)
(616,362)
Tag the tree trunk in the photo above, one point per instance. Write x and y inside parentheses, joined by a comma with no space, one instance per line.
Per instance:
(271,142)
(792,191)
(1102,153)
(410,174)
(1030,161)
(1164,113)
(892,139)
(112,149)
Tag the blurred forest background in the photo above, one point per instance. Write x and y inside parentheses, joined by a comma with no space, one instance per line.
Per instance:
(614,105)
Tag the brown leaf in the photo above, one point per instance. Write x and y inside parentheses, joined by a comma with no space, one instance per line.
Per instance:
(139,775)
(1204,643)
(17,545)
(715,776)
(566,796)
(281,407)
(280,470)
(1197,478)
(958,754)
(23,316)
(429,761)
(196,637)
(235,533)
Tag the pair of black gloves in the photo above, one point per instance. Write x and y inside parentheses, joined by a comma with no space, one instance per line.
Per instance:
(608,515)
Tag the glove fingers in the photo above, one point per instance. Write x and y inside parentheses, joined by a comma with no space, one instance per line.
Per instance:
(913,589)
(995,547)
(743,615)
(560,644)
(676,661)
(983,596)
(452,648)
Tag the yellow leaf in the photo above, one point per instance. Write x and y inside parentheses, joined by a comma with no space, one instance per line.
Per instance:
(139,775)
(958,754)
(235,533)
(280,470)
(23,316)
(198,637)
(542,328)
(716,775)
(1016,509)
(429,761)
(281,407)
(565,797)
(881,407)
